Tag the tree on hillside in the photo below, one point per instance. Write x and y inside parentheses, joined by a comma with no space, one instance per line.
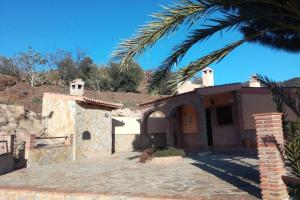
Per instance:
(67,70)
(94,78)
(86,68)
(55,60)
(126,80)
(8,67)
(272,23)
(32,63)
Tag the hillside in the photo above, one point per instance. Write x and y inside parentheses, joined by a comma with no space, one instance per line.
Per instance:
(293,82)
(21,93)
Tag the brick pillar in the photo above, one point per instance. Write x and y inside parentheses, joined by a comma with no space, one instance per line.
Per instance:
(29,144)
(30,141)
(270,139)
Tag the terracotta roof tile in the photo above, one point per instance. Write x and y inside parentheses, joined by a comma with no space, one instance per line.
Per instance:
(102,103)
(84,99)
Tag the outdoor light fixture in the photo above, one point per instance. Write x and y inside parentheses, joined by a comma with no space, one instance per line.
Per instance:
(106,114)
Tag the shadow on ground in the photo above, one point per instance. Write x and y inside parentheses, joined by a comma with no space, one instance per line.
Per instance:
(232,169)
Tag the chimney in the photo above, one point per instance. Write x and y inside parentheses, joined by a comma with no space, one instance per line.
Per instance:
(207,77)
(254,82)
(77,87)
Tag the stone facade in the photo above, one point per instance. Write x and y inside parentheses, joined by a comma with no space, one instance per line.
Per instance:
(49,155)
(15,120)
(93,131)
(58,115)
(90,121)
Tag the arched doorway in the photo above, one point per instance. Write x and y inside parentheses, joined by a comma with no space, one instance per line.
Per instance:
(153,129)
(184,128)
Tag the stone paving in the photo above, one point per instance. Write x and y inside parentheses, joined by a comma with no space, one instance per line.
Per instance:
(213,176)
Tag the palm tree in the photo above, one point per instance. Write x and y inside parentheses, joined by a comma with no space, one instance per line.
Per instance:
(272,23)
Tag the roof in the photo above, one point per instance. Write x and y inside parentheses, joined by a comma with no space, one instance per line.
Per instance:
(77,81)
(217,90)
(83,99)
(201,90)
(206,68)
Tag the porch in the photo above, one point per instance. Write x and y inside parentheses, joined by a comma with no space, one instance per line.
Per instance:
(185,119)
(204,119)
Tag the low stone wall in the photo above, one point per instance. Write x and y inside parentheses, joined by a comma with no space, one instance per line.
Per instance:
(49,155)
(50,194)
(6,163)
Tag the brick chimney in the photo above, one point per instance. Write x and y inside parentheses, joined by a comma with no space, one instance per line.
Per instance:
(208,77)
(77,87)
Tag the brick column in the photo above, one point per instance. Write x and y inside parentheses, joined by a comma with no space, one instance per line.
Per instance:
(270,140)
(30,141)
(29,144)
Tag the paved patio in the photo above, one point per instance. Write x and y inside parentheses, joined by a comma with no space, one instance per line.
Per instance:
(217,176)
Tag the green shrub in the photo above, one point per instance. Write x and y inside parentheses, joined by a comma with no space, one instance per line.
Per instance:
(169,151)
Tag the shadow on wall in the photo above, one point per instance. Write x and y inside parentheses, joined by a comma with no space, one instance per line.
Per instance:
(135,142)
(154,140)
(233,170)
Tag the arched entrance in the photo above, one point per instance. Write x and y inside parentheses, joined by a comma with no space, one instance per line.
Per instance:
(154,128)
(184,127)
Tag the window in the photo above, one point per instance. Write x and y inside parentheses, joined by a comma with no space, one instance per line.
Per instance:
(224,115)
(86,135)
(79,87)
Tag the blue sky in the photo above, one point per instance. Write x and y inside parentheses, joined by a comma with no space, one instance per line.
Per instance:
(97,26)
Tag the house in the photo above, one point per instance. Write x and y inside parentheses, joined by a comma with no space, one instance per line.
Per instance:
(89,120)
(211,116)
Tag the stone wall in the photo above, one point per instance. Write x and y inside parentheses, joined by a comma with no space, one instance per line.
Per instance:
(49,155)
(50,194)
(93,131)
(58,114)
(6,163)
(19,122)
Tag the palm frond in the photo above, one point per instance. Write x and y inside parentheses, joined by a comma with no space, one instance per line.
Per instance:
(186,12)
(196,36)
(189,71)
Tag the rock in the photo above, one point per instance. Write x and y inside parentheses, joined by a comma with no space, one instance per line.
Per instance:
(146,155)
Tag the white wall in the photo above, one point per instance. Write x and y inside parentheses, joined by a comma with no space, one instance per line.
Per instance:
(131,125)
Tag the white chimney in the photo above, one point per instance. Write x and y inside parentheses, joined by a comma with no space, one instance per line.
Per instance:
(208,77)
(254,82)
(77,87)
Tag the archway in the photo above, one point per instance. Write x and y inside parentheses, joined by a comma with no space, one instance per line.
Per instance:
(184,127)
(154,129)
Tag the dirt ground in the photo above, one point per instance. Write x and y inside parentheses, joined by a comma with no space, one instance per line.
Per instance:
(31,98)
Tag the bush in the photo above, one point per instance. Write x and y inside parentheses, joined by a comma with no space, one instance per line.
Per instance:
(169,151)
